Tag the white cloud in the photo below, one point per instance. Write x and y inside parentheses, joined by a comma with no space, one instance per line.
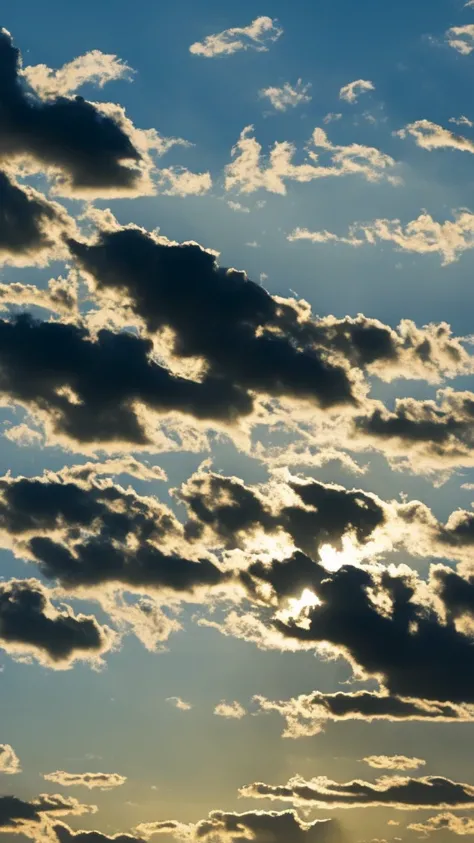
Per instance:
(178,181)
(9,761)
(237,206)
(332,117)
(461,121)
(352,91)
(287,96)
(257,36)
(422,236)
(431,136)
(94,67)
(232,710)
(101,781)
(461,38)
(394,762)
(248,172)
(179,703)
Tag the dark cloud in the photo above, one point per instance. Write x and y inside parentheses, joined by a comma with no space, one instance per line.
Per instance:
(31,227)
(385,623)
(394,792)
(91,149)
(267,827)
(67,835)
(307,714)
(320,514)
(31,626)
(97,391)
(15,812)
(216,314)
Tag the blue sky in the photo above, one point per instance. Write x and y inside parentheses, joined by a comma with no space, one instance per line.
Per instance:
(393,241)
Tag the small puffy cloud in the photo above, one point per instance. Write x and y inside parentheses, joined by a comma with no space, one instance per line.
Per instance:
(257,36)
(399,792)
(178,181)
(94,67)
(288,96)
(102,781)
(445,822)
(423,236)
(461,38)
(249,171)
(431,136)
(233,710)
(394,762)
(9,761)
(179,703)
(351,92)
(332,117)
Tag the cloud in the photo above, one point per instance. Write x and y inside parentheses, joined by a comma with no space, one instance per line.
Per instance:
(60,295)
(95,68)
(32,228)
(350,93)
(423,236)
(445,822)
(431,136)
(102,781)
(9,761)
(232,711)
(287,96)
(332,117)
(262,32)
(397,792)
(34,818)
(306,715)
(30,627)
(178,181)
(180,704)
(87,149)
(394,762)
(461,121)
(461,38)
(247,172)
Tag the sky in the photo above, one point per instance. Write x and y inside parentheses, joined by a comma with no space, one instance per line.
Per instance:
(237,422)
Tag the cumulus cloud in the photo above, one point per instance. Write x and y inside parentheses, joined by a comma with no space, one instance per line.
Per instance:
(445,822)
(102,781)
(394,762)
(461,121)
(288,96)
(431,136)
(178,181)
(95,68)
(461,38)
(31,627)
(87,149)
(248,171)
(60,295)
(9,761)
(423,236)
(399,792)
(256,36)
(179,703)
(350,93)
(35,818)
(307,715)
(232,711)
(32,228)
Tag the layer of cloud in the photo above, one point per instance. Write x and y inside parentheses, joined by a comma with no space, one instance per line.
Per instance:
(258,35)
(102,781)
(351,92)
(95,68)
(9,761)
(287,96)
(394,762)
(423,236)
(399,792)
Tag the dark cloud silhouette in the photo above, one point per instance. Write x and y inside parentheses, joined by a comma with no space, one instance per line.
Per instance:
(14,812)
(91,149)
(67,835)
(90,390)
(321,513)
(394,792)
(31,226)
(383,622)
(30,625)
(307,714)
(216,314)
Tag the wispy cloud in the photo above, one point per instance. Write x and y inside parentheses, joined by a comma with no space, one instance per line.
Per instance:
(288,96)
(179,703)
(232,711)
(431,136)
(394,762)
(256,36)
(461,38)
(101,781)
(95,67)
(351,92)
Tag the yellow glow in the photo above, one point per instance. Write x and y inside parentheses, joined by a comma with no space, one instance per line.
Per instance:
(298,608)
